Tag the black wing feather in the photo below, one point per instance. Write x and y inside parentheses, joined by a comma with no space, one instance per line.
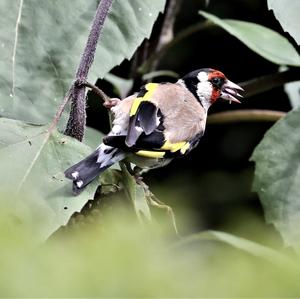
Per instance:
(153,141)
(144,121)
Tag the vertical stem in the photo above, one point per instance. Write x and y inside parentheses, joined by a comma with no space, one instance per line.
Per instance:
(77,120)
(162,34)
(167,28)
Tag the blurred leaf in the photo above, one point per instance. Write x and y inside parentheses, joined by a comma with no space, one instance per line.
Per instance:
(262,40)
(293,91)
(136,194)
(277,176)
(92,137)
(165,73)
(41,43)
(33,160)
(248,246)
(287,13)
(126,261)
(123,86)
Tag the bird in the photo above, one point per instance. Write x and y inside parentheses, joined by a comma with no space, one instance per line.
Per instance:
(161,122)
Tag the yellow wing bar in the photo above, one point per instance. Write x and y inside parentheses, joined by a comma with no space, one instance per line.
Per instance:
(150,87)
(174,147)
(150,154)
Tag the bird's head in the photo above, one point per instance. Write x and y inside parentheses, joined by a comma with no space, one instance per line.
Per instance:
(209,85)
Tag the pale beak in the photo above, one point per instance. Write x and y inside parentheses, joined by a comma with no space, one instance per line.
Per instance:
(229,92)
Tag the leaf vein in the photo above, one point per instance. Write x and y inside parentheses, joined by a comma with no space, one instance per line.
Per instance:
(15,47)
(33,162)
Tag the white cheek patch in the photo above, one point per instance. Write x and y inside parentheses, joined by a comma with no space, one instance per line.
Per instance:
(204,91)
(202,76)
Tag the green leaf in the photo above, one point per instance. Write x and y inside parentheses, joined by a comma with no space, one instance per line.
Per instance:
(277,176)
(92,137)
(262,40)
(248,246)
(287,13)
(136,194)
(41,43)
(293,91)
(122,86)
(165,73)
(33,160)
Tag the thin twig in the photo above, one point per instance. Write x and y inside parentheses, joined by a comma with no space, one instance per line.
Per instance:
(77,120)
(61,108)
(99,92)
(265,83)
(251,115)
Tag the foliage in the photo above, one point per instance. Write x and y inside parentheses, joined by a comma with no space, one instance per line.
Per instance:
(286,11)
(115,257)
(34,159)
(276,157)
(42,42)
(34,58)
(264,41)
(277,176)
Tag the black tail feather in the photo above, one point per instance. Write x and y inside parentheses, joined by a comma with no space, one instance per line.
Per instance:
(84,172)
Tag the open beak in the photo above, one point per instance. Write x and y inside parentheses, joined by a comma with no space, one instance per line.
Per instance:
(230,93)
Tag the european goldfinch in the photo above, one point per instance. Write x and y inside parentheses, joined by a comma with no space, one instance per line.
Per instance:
(161,122)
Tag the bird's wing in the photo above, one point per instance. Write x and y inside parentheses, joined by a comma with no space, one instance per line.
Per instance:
(164,121)
(144,117)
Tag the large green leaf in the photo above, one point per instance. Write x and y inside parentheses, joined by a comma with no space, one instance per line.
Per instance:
(136,194)
(33,160)
(287,13)
(92,137)
(41,43)
(262,40)
(248,246)
(277,176)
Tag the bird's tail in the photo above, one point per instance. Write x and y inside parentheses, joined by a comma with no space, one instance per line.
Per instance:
(85,171)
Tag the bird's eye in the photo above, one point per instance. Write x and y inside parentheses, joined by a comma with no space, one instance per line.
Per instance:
(217,81)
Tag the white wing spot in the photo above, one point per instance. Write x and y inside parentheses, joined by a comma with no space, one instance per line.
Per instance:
(79,184)
(75,174)
(139,129)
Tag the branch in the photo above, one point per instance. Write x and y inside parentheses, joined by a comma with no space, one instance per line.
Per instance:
(162,34)
(77,120)
(167,29)
(251,115)
(265,83)
(99,92)
(145,67)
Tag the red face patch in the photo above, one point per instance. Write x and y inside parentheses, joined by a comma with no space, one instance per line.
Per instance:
(217,79)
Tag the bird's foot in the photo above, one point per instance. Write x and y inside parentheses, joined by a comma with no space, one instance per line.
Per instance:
(112,102)
(137,173)
(153,201)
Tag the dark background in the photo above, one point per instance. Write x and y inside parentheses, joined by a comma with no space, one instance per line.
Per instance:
(213,183)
